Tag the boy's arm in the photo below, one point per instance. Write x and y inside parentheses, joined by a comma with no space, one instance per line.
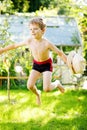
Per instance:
(59,52)
(12,46)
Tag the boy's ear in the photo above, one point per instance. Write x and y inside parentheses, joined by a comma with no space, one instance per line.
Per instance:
(44,29)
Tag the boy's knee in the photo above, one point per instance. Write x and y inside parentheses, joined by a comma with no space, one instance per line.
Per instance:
(29,86)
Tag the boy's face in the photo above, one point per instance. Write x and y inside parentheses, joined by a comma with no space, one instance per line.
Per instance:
(36,31)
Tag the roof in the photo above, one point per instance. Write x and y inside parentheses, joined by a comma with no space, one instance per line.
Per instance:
(64,31)
(61,31)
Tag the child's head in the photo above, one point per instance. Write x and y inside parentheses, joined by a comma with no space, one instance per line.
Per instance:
(38,21)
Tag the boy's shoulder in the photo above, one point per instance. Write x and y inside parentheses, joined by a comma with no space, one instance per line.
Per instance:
(29,40)
(46,41)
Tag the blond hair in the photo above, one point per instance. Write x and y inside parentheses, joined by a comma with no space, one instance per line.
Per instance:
(39,21)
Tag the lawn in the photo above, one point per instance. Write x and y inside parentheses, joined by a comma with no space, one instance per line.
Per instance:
(58,111)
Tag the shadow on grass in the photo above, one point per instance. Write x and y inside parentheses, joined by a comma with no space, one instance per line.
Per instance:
(52,124)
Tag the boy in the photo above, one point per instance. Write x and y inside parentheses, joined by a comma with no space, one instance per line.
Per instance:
(42,63)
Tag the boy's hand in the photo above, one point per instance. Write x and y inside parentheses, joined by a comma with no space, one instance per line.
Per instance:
(69,60)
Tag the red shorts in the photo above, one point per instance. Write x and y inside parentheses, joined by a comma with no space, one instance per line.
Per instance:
(43,66)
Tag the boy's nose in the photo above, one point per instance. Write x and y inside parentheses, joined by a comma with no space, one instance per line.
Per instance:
(32,31)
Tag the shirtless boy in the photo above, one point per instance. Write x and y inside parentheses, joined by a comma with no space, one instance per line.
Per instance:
(42,63)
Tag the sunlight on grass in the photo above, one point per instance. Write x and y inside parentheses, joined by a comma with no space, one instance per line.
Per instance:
(72,113)
(3,98)
(81,98)
(23,100)
(56,93)
(58,111)
(38,112)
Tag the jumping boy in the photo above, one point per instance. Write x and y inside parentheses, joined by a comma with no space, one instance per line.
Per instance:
(42,63)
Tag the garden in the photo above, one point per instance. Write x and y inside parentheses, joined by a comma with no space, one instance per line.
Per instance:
(67,29)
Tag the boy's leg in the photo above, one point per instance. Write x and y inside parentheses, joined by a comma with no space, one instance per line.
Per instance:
(59,86)
(48,85)
(34,75)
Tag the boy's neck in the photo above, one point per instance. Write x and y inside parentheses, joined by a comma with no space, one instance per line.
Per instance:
(38,40)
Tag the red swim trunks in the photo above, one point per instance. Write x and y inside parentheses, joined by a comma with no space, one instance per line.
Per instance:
(43,66)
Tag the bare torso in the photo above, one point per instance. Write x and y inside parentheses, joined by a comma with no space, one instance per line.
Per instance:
(39,49)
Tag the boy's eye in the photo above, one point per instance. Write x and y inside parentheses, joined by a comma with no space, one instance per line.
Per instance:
(35,28)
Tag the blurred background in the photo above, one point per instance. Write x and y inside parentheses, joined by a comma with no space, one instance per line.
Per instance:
(66,27)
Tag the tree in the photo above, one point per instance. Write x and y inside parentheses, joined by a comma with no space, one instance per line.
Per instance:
(6,6)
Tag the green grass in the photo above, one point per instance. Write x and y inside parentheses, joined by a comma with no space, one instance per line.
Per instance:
(58,111)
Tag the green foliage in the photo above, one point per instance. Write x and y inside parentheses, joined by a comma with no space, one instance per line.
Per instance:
(21,5)
(18,57)
(26,6)
(4,40)
(11,6)
(83,25)
(6,6)
(75,38)
(64,7)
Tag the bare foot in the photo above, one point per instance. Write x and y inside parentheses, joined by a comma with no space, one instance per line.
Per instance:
(62,90)
(38,98)
(59,86)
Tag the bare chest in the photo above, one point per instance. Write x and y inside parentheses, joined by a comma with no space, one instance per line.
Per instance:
(39,49)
